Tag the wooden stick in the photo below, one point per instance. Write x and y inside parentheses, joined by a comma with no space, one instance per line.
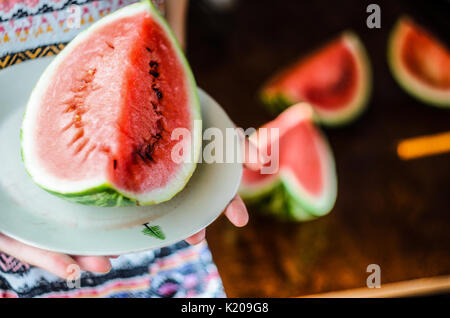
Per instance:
(424,146)
(416,287)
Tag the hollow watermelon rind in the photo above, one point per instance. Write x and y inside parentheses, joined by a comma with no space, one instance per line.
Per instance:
(278,102)
(410,84)
(282,196)
(98,192)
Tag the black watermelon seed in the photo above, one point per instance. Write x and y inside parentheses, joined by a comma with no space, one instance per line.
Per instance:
(149,151)
(155,109)
(154,73)
(155,140)
(148,49)
(115,164)
(158,92)
(140,155)
(154,64)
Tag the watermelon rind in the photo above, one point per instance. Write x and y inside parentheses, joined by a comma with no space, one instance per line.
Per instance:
(284,197)
(103,196)
(425,93)
(280,204)
(285,202)
(100,192)
(278,102)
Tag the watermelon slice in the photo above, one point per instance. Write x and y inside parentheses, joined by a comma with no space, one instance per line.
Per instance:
(98,124)
(335,81)
(305,185)
(420,63)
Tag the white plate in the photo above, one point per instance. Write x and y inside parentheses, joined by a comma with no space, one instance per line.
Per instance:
(33,216)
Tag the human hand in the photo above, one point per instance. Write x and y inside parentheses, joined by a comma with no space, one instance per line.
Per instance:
(236,212)
(55,263)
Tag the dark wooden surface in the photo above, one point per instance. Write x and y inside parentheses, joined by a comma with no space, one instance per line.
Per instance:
(389,212)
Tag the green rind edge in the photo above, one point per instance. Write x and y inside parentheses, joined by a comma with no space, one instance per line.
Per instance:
(102,196)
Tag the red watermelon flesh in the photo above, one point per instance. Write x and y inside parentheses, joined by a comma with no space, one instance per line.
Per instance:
(334,80)
(111,113)
(110,106)
(425,57)
(327,80)
(299,152)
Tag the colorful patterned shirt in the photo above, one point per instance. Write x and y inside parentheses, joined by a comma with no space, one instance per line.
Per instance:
(35,28)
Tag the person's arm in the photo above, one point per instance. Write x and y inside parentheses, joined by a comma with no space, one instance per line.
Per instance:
(176,12)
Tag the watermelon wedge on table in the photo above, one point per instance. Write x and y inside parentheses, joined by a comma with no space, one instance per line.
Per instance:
(335,80)
(305,185)
(420,63)
(98,124)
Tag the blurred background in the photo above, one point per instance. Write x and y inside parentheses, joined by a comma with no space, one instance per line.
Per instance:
(389,212)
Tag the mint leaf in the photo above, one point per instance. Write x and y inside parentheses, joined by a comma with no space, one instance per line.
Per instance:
(154,231)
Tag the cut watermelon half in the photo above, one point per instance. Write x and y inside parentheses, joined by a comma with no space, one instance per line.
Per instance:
(335,80)
(420,63)
(98,124)
(305,185)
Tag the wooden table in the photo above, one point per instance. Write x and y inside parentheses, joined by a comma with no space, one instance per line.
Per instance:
(389,212)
